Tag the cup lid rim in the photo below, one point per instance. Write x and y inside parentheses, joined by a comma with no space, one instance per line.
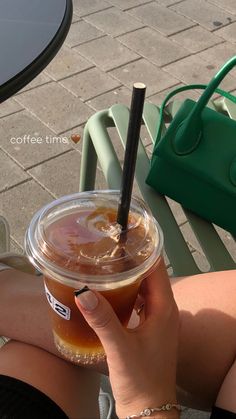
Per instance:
(42,263)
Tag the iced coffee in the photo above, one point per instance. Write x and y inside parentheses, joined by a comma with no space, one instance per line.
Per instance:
(76,241)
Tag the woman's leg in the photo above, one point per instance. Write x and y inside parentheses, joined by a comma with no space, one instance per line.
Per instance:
(32,357)
(207,349)
(73,389)
(207,336)
(24,310)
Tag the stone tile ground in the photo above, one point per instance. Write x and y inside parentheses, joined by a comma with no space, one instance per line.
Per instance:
(111,44)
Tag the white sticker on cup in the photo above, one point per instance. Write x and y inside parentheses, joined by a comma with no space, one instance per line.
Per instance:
(58,307)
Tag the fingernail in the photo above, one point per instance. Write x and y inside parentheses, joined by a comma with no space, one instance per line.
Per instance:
(78,292)
(87,299)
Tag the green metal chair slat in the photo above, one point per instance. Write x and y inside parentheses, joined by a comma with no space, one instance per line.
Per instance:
(151,115)
(4,235)
(217,255)
(227,106)
(97,144)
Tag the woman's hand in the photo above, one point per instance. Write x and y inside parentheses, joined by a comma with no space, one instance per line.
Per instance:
(141,361)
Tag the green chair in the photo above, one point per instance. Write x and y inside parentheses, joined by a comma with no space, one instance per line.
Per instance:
(98,146)
(4,235)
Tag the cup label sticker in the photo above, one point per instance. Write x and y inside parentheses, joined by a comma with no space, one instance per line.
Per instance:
(58,307)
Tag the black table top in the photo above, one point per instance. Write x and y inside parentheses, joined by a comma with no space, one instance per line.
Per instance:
(31,33)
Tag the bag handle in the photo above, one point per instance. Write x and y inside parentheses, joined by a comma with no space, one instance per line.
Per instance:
(182,89)
(189,131)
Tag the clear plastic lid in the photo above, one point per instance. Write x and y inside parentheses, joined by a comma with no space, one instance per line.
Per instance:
(77,238)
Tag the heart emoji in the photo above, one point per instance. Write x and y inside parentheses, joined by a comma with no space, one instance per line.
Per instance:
(75,138)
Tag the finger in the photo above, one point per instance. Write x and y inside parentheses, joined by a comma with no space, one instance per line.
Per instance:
(156,291)
(101,318)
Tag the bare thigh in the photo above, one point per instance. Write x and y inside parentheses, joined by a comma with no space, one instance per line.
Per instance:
(74,389)
(207,334)
(207,347)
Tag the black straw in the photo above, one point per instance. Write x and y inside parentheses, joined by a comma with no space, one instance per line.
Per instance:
(131,150)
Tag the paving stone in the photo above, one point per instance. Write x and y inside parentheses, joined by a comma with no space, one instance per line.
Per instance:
(41,79)
(202,264)
(177,211)
(228,241)
(83,8)
(100,181)
(190,238)
(27,154)
(9,107)
(229,5)
(120,95)
(146,140)
(117,143)
(90,83)
(204,13)
(158,98)
(197,39)
(107,53)
(192,70)
(218,55)
(228,32)
(75,18)
(23,201)
(11,173)
(167,2)
(127,4)
(113,21)
(56,107)
(149,150)
(66,168)
(145,72)
(15,247)
(153,46)
(81,32)
(161,18)
(66,63)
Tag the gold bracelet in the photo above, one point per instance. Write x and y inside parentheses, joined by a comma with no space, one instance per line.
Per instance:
(148,410)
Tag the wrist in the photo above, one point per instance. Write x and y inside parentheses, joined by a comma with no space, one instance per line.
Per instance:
(166,410)
(160,415)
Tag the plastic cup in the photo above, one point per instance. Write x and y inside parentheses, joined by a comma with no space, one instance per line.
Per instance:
(76,241)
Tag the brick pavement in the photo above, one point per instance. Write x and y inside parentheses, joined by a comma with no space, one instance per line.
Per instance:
(111,44)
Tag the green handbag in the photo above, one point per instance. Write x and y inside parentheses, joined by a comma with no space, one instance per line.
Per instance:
(194,160)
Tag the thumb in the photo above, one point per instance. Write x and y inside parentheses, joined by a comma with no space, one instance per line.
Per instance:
(101,318)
